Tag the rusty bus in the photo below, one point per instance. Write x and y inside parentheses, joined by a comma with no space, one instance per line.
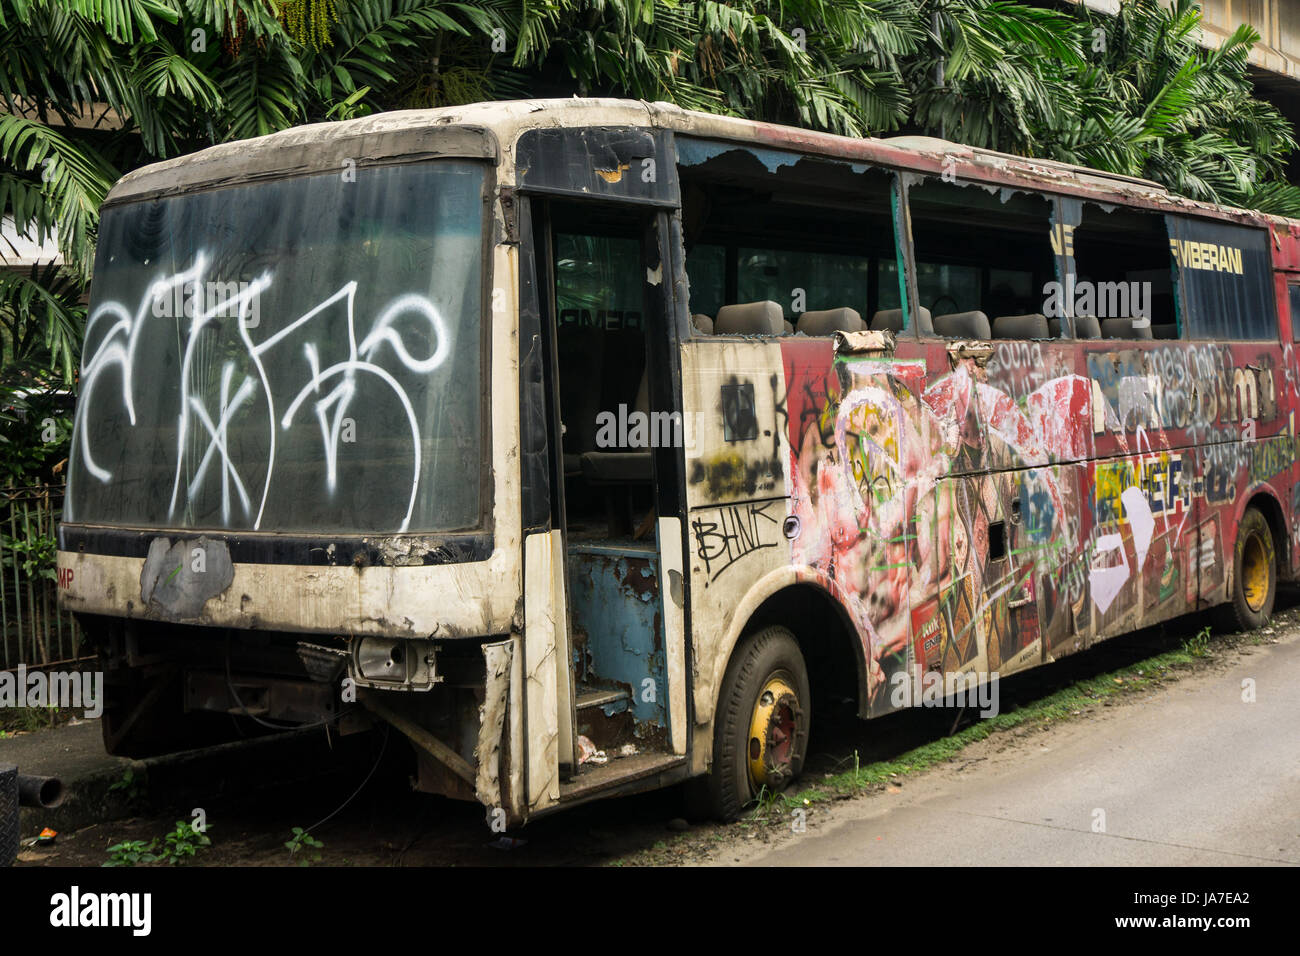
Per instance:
(597,445)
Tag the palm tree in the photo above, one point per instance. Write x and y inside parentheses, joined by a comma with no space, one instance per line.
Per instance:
(94,87)
(1149,101)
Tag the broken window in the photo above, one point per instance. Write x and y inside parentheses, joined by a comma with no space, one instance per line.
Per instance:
(982,258)
(772,237)
(1117,281)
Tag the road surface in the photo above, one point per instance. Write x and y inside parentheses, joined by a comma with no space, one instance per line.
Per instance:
(1192,775)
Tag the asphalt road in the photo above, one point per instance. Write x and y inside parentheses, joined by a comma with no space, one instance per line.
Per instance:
(1192,775)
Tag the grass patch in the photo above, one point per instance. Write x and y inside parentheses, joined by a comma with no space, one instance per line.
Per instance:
(23,720)
(1061,705)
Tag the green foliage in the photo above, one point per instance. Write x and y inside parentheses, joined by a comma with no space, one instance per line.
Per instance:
(31,551)
(308,21)
(128,785)
(183,843)
(303,842)
(1150,102)
(179,846)
(131,852)
(92,88)
(26,719)
(1199,644)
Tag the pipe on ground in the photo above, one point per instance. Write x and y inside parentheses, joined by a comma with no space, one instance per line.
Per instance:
(45,793)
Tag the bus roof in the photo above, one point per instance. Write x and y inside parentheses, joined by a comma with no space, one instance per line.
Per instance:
(482,130)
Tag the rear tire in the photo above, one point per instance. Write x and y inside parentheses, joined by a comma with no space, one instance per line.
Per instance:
(1254,573)
(760,735)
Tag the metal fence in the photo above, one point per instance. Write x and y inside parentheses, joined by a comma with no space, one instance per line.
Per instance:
(32,628)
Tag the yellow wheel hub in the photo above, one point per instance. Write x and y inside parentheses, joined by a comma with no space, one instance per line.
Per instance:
(1254,572)
(772,731)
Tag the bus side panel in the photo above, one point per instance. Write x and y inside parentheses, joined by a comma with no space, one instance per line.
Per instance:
(737,458)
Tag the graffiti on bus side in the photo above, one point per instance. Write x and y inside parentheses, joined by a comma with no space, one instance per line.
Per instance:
(965,523)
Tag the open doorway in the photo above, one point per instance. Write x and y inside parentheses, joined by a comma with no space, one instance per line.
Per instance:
(602,312)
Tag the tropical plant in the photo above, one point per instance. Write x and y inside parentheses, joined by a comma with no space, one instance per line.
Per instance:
(92,88)
(301,841)
(1151,102)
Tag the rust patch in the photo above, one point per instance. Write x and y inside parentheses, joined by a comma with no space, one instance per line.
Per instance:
(613,176)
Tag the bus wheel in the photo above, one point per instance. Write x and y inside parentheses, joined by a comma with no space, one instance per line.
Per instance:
(760,732)
(1254,573)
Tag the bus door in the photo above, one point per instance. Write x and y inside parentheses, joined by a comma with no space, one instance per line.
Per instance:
(614,440)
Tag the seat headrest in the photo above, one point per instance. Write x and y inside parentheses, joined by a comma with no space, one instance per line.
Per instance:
(787,327)
(1031,326)
(750,318)
(1087,327)
(963,325)
(1117,329)
(828,321)
(702,323)
(891,320)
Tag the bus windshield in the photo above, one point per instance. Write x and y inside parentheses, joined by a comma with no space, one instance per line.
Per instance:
(300,355)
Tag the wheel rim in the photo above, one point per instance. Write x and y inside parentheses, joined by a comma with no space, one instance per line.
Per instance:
(1254,572)
(772,730)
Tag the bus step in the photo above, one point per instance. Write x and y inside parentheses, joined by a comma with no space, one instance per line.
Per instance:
(589,697)
(640,772)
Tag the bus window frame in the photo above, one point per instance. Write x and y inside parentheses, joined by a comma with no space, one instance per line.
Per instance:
(918,178)
(731,260)
(1270,286)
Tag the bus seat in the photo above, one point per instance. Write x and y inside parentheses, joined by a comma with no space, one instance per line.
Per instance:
(750,318)
(787,327)
(580,348)
(1031,326)
(1123,329)
(963,325)
(827,321)
(622,466)
(703,323)
(1087,327)
(891,320)
(1143,331)
(617,467)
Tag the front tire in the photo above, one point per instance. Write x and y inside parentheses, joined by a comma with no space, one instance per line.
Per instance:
(760,735)
(1254,573)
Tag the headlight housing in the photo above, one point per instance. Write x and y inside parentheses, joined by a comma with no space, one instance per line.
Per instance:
(394,663)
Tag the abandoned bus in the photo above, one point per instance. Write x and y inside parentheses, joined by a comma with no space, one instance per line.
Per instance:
(598,445)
